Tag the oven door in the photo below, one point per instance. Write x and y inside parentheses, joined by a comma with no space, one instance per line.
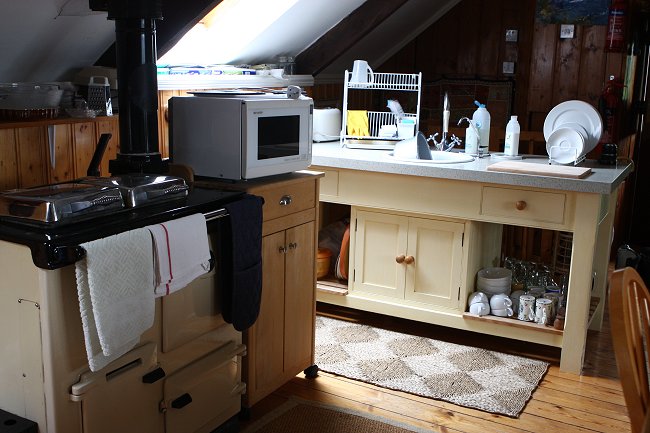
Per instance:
(196,309)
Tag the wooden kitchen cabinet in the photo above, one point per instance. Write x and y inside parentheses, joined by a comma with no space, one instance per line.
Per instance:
(281,342)
(409,259)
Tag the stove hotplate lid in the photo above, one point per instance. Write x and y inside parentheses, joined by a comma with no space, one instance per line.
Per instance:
(59,202)
(141,189)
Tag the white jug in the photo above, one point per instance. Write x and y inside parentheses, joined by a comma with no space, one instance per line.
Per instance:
(362,73)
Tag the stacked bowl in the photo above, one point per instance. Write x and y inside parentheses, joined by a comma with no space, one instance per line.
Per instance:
(493,281)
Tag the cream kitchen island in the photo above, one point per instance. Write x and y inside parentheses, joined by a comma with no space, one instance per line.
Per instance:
(421,231)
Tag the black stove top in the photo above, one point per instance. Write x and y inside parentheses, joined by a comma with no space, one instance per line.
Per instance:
(55,246)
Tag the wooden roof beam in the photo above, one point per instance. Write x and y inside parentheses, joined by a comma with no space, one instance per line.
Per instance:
(344,35)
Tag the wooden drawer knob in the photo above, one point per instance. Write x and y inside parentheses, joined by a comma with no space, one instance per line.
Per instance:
(520,205)
(400,258)
(409,260)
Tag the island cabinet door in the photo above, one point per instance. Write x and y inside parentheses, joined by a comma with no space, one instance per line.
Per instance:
(380,248)
(434,262)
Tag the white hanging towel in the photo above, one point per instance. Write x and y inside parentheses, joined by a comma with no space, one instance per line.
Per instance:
(181,252)
(115,288)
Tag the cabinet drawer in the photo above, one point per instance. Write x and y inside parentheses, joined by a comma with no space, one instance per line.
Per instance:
(329,184)
(287,198)
(524,205)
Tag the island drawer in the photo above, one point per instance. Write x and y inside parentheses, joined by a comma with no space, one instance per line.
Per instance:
(523,205)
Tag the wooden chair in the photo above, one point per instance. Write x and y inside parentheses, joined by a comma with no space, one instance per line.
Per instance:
(629,311)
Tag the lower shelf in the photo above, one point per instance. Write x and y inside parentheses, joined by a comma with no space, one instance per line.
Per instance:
(507,321)
(332,285)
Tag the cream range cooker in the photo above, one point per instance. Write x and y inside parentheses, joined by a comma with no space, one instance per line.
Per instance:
(183,376)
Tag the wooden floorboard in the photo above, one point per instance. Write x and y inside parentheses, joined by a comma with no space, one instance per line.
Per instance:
(563,402)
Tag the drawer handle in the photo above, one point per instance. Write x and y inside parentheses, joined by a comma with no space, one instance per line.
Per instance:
(293,245)
(182,401)
(400,259)
(282,249)
(521,205)
(285,200)
(409,260)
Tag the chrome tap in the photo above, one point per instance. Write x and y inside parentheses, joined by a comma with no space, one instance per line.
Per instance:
(446,144)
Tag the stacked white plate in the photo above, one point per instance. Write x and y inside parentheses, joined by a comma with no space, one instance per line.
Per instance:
(572,129)
(492,281)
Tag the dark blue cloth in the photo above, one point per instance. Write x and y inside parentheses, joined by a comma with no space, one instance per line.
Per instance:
(242,262)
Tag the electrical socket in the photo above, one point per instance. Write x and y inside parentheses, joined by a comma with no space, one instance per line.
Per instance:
(567,31)
(512,35)
(508,67)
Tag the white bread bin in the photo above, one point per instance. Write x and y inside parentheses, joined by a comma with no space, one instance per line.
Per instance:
(327,124)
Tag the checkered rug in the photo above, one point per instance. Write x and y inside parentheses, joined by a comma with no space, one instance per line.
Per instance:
(467,376)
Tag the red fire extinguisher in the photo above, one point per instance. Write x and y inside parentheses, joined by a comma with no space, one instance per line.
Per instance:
(609,105)
(616,26)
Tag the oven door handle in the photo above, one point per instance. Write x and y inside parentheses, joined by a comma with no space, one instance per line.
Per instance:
(182,401)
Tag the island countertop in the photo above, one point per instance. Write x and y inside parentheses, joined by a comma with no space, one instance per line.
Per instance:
(603,179)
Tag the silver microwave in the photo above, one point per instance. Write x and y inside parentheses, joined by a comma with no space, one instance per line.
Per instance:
(241,137)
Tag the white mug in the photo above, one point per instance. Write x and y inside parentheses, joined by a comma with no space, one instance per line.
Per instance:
(500,301)
(480,308)
(362,73)
(477,297)
(503,312)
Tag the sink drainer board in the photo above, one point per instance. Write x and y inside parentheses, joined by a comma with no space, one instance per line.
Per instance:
(540,169)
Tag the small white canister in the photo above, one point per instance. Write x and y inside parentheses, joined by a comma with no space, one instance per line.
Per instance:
(544,311)
(526,308)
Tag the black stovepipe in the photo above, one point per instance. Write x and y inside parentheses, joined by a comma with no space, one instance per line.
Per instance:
(135,46)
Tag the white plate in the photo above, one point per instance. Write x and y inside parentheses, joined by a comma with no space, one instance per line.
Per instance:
(565,145)
(575,112)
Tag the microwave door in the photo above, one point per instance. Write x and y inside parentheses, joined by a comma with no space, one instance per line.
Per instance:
(278,139)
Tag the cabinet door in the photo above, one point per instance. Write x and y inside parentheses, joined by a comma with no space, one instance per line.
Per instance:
(434,275)
(267,347)
(379,240)
(299,298)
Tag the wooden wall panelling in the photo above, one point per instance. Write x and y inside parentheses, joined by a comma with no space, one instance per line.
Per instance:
(567,68)
(108,125)
(8,160)
(84,142)
(540,88)
(163,119)
(32,156)
(490,39)
(60,167)
(592,64)
(523,15)
(468,37)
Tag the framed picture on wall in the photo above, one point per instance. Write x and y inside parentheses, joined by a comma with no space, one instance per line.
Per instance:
(587,12)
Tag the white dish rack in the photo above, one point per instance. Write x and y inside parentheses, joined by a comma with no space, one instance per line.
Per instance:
(376,119)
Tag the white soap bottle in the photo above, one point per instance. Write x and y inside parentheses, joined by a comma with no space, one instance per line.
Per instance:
(513,130)
(481,118)
(471,140)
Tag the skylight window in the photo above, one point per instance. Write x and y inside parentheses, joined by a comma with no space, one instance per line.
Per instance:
(221,36)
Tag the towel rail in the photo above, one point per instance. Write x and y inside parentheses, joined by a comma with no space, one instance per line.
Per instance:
(215,214)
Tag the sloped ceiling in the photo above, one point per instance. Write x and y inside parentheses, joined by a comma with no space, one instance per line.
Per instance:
(49,40)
